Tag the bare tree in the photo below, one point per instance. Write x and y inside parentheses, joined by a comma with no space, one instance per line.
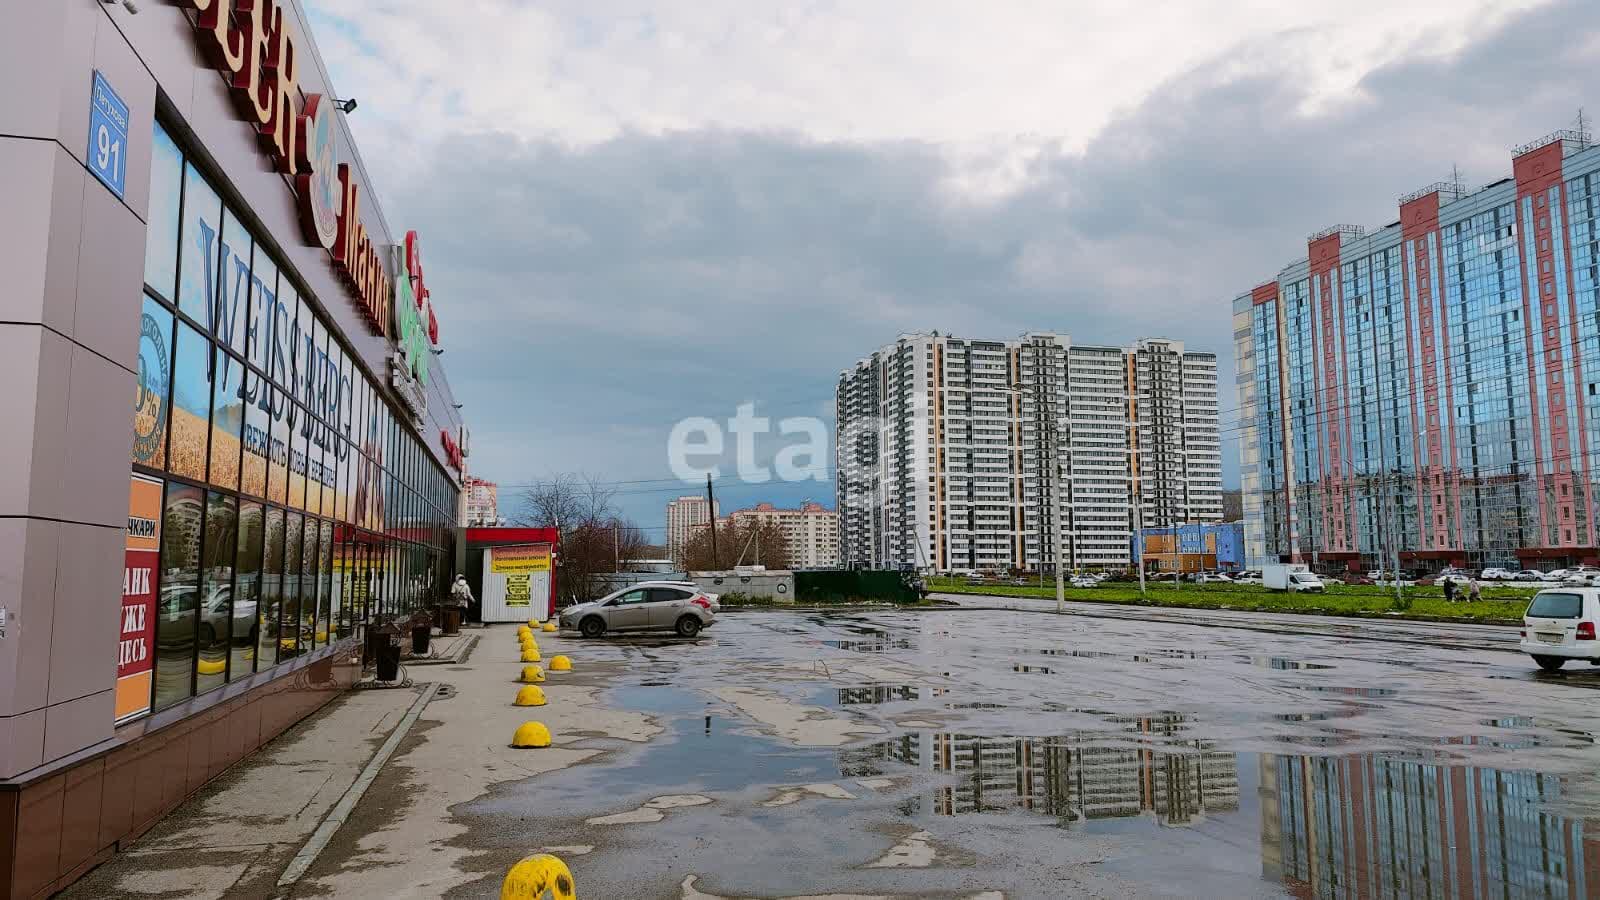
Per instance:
(595,538)
(746,543)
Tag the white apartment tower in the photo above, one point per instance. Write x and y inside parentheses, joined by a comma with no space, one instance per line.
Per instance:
(684,515)
(953,453)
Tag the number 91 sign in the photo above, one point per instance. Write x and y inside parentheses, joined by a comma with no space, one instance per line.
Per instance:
(108,136)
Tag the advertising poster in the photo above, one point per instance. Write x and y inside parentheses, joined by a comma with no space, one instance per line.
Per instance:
(516,582)
(137,634)
(520,559)
(518,591)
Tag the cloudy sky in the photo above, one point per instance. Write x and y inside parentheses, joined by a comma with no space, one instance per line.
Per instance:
(636,212)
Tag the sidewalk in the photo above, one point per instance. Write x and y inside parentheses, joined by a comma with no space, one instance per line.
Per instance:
(236,838)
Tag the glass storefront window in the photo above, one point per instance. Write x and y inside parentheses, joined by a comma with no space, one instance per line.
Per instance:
(166,195)
(247,590)
(328,613)
(191,404)
(297,455)
(182,518)
(230,317)
(227,420)
(152,400)
(256,437)
(199,253)
(289,615)
(310,556)
(278,458)
(271,590)
(218,616)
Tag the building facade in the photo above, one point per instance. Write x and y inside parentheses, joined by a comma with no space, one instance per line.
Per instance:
(188,224)
(483,501)
(684,515)
(1216,547)
(812,531)
(1425,394)
(953,453)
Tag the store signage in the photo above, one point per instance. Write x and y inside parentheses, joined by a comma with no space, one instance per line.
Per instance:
(452,451)
(252,44)
(411,332)
(140,581)
(108,135)
(519,559)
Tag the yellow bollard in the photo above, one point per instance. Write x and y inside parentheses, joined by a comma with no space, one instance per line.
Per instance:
(532,675)
(533,623)
(531,734)
(529,695)
(534,875)
(530,654)
(210,666)
(560,664)
(524,631)
(549,627)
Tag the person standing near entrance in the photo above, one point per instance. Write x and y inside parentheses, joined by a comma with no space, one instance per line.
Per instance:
(461,592)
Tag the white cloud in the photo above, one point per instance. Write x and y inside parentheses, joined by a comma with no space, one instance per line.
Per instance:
(944,71)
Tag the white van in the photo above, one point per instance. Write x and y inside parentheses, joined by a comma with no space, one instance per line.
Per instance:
(1560,625)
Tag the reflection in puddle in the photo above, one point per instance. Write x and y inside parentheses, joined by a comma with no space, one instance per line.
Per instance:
(1371,826)
(884,693)
(881,644)
(1278,662)
(1347,691)
(1328,826)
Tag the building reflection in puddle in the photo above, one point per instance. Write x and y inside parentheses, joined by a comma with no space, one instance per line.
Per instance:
(1367,826)
(1323,826)
(1069,777)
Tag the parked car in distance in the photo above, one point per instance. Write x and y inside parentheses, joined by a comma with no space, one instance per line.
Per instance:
(1212,578)
(647,606)
(1085,581)
(1530,575)
(1559,625)
(1247,577)
(1582,579)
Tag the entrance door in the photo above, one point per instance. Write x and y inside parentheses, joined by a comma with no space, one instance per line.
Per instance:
(630,611)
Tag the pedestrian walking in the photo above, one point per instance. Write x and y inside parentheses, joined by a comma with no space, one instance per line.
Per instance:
(1449,589)
(461,592)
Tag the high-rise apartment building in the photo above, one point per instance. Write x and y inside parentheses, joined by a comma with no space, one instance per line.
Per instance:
(483,501)
(812,531)
(953,453)
(1426,393)
(684,515)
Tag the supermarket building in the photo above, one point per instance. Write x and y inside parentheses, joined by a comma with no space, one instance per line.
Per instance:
(187,224)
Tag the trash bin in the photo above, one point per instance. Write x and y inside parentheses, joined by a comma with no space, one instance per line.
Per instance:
(386,639)
(421,633)
(452,619)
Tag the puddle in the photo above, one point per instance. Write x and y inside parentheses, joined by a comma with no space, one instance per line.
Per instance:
(1138,796)
(1347,691)
(1278,662)
(879,645)
(880,693)
(1149,656)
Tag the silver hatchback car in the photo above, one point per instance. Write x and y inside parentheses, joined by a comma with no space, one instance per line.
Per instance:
(649,606)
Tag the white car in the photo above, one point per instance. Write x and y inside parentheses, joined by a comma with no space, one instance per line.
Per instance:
(1209,578)
(1085,581)
(1495,573)
(1582,579)
(1532,575)
(1560,625)
(1247,578)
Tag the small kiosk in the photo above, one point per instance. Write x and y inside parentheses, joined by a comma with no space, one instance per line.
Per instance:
(512,572)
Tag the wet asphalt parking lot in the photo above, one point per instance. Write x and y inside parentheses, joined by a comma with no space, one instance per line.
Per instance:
(1013,754)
